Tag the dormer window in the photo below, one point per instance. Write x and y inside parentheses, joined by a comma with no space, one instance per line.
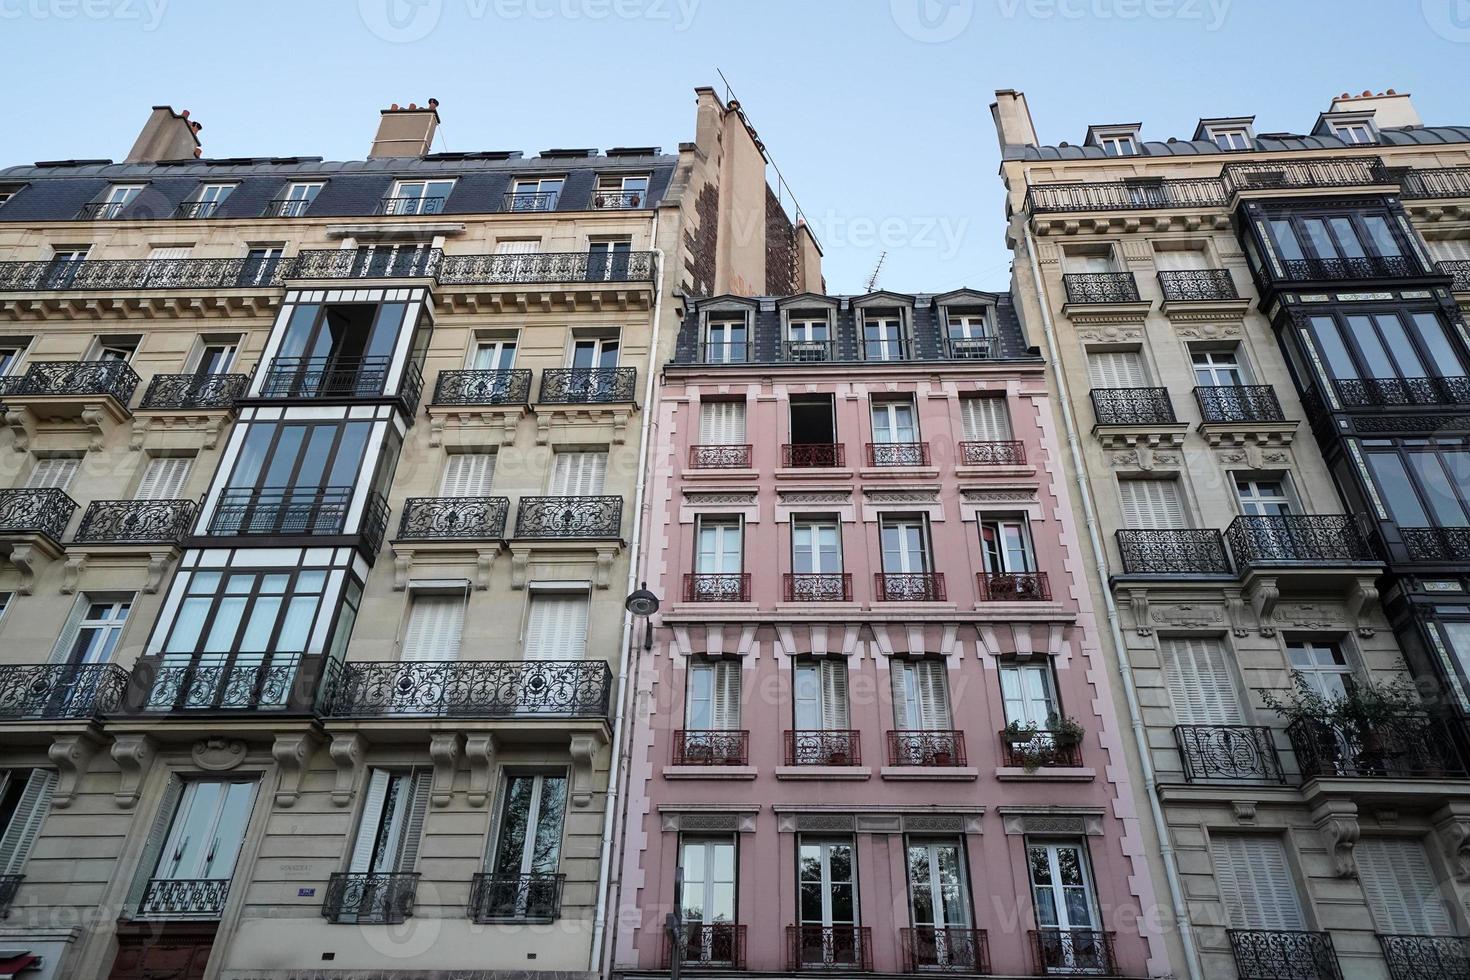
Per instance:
(1118,144)
(883,336)
(1230,138)
(418,197)
(535,194)
(1359,132)
(620,191)
(7,191)
(205,203)
(808,337)
(969,335)
(118,197)
(726,339)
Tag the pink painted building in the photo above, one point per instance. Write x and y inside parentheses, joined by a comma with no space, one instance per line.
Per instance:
(874,731)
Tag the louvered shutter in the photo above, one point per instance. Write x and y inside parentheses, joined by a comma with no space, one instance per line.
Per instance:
(1200,685)
(1455,249)
(1401,889)
(834,695)
(578,474)
(1151,504)
(53,471)
(726,695)
(164,478)
(986,419)
(520,246)
(721,423)
(435,625)
(1087,263)
(153,843)
(557,628)
(1255,883)
(1181,259)
(372,818)
(468,475)
(25,823)
(61,653)
(1117,369)
(933,698)
(905,710)
(413,828)
(170,252)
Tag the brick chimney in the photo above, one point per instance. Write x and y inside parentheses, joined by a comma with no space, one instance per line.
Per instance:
(167,135)
(1391,109)
(405,132)
(1012,118)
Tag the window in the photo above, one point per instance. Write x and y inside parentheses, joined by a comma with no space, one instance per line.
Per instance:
(905,543)
(1117,369)
(621,191)
(816,546)
(969,334)
(894,422)
(1218,369)
(1201,687)
(814,431)
(726,340)
(1005,543)
(517,246)
(719,548)
(168,252)
(713,701)
(7,191)
(1095,261)
(1181,260)
(208,200)
(418,197)
(297,199)
(920,696)
(1230,139)
(1386,347)
(1450,249)
(1117,144)
(1263,496)
(1425,486)
(808,338)
(1061,887)
(1321,668)
(118,197)
(594,353)
(214,355)
(1256,886)
(1026,691)
(939,899)
(1151,504)
(883,337)
(468,475)
(608,259)
(1403,893)
(578,474)
(435,624)
(203,839)
(556,627)
(293,478)
(709,897)
(164,478)
(535,194)
(722,423)
(493,355)
(12,351)
(1354,132)
(827,884)
(527,849)
(54,472)
(986,418)
(92,631)
(261,262)
(25,801)
(390,830)
(819,695)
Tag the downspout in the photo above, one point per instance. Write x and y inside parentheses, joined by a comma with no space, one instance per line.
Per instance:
(1125,666)
(627,686)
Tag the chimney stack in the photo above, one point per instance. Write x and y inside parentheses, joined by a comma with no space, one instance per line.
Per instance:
(1012,118)
(405,132)
(1391,109)
(167,135)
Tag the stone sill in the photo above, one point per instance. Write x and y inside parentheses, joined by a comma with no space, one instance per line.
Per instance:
(717,474)
(935,773)
(824,773)
(1057,774)
(709,772)
(899,472)
(1007,471)
(813,473)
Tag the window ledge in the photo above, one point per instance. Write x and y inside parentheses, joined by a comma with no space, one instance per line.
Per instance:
(934,773)
(710,772)
(899,472)
(825,773)
(813,473)
(717,474)
(1058,774)
(1003,472)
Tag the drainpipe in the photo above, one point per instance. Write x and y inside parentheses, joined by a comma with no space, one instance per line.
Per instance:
(1125,666)
(627,686)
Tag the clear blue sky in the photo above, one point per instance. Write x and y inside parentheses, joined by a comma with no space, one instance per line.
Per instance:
(875,110)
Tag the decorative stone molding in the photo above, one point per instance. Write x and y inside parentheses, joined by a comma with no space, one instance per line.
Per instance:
(1003,495)
(548,416)
(483,555)
(489,424)
(1202,324)
(1143,439)
(1245,810)
(914,495)
(714,498)
(444,750)
(134,755)
(1051,820)
(1337,822)
(1452,826)
(735,820)
(1186,615)
(1138,605)
(1362,599)
(20,434)
(292,754)
(599,553)
(1129,333)
(1309,615)
(479,753)
(72,754)
(583,749)
(1264,594)
(92,417)
(23,557)
(217,754)
(1235,610)
(71,572)
(805,497)
(347,752)
(210,426)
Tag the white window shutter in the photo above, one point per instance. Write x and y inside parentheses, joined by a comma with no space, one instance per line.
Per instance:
(1181,259)
(986,419)
(518,246)
(1200,685)
(372,817)
(170,252)
(1117,369)
(53,472)
(61,653)
(905,712)
(834,695)
(726,714)
(468,475)
(578,474)
(557,627)
(164,478)
(435,625)
(933,698)
(1450,250)
(1402,892)
(413,828)
(153,843)
(1151,504)
(25,824)
(1255,883)
(722,423)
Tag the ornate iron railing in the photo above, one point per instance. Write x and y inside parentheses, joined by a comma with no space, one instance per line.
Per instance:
(817,587)
(898,454)
(114,378)
(711,747)
(195,391)
(1296,174)
(909,586)
(1431,182)
(444,518)
(970,348)
(934,748)
(1257,539)
(808,351)
(410,205)
(717,587)
(516,898)
(890,349)
(1132,406)
(803,455)
(1406,747)
(140,274)
(1122,195)
(569,517)
(1170,551)
(721,456)
(1459,272)
(184,898)
(382,262)
(733,352)
(197,209)
(468,689)
(1039,749)
(546,267)
(579,386)
(1238,403)
(44,692)
(286,207)
(993,452)
(101,210)
(1013,586)
(371,898)
(1066,951)
(1188,285)
(43,510)
(1228,753)
(9,885)
(1100,287)
(326,377)
(281,511)
(122,521)
(1393,392)
(829,948)
(945,949)
(617,200)
(248,682)
(1270,955)
(1426,957)
(483,387)
(531,200)
(1436,543)
(707,945)
(1358,267)
(815,747)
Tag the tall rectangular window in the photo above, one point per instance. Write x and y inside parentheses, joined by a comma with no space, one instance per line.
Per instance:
(93,629)
(827,876)
(986,419)
(468,475)
(556,627)
(1149,503)
(164,478)
(1201,687)
(920,695)
(819,695)
(816,546)
(392,822)
(1404,896)
(1026,693)
(25,801)
(1255,881)
(53,472)
(435,625)
(524,863)
(713,697)
(578,474)
(1117,369)
(939,898)
(905,544)
(722,423)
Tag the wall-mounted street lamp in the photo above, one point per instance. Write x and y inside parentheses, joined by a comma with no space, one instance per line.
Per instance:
(643,604)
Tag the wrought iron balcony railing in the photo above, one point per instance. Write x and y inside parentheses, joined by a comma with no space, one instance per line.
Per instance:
(1425,957)
(1073,951)
(711,747)
(340,377)
(281,511)
(807,455)
(1406,747)
(945,949)
(516,898)
(9,885)
(1172,551)
(1039,749)
(1132,406)
(734,352)
(411,205)
(382,262)
(829,948)
(546,267)
(1304,174)
(115,379)
(808,351)
(1100,287)
(1447,544)
(1280,955)
(371,898)
(197,209)
(893,349)
(618,200)
(43,510)
(721,456)
(815,747)
(582,386)
(707,945)
(483,387)
(468,689)
(119,274)
(909,586)
(1399,392)
(1431,182)
(1358,267)
(1228,753)
(1459,272)
(970,348)
(1314,539)
(1238,403)
(1012,587)
(453,518)
(1121,195)
(898,454)
(717,587)
(102,210)
(1191,285)
(531,200)
(286,207)
(47,692)
(817,587)
(129,521)
(184,898)
(932,748)
(246,682)
(569,517)
(993,452)
(194,391)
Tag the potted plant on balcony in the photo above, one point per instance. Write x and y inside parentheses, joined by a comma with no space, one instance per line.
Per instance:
(1025,745)
(1067,733)
(1347,732)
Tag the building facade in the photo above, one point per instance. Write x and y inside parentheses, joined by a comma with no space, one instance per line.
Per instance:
(317,519)
(1259,356)
(873,725)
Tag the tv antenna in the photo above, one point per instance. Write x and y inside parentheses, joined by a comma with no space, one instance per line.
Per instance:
(873,279)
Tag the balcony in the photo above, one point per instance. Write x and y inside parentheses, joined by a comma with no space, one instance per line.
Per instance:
(1100,287)
(1297,539)
(1039,748)
(569,517)
(483,387)
(197,209)
(848,948)
(244,682)
(815,747)
(1426,957)
(898,453)
(735,352)
(1197,285)
(1408,747)
(468,689)
(136,522)
(453,518)
(102,210)
(1122,195)
(1238,403)
(1355,393)
(1073,951)
(717,587)
(1436,544)
(995,452)
(57,692)
(43,512)
(531,200)
(970,348)
(1012,587)
(892,349)
(546,267)
(9,885)
(618,200)
(813,455)
(720,457)
(1228,754)
(286,207)
(369,898)
(383,262)
(1370,267)
(808,351)
(202,392)
(909,587)
(931,949)
(1265,955)
(707,945)
(319,512)
(1459,272)
(1278,175)
(184,898)
(76,379)
(311,378)
(411,205)
(1173,551)
(712,747)
(817,587)
(529,898)
(124,274)
(1132,406)
(1430,183)
(934,748)
(588,386)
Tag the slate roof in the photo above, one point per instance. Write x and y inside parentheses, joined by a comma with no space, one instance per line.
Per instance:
(1267,143)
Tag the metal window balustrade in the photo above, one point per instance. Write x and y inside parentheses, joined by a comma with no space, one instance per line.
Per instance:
(1228,754)
(193,391)
(136,521)
(468,689)
(453,518)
